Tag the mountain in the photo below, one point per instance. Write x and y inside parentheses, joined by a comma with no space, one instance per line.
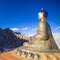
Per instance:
(8,39)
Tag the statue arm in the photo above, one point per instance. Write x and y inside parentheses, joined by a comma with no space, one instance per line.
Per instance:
(49,30)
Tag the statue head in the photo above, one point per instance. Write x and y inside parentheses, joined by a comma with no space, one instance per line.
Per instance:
(42,15)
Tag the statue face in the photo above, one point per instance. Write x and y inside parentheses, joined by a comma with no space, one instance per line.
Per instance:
(41,15)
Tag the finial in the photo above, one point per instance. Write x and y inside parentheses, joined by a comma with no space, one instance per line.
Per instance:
(45,12)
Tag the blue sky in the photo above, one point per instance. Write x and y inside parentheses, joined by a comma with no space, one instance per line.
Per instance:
(22,14)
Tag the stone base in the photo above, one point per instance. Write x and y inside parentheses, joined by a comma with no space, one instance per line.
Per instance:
(33,49)
(41,45)
(35,54)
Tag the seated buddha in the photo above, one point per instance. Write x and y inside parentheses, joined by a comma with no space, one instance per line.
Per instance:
(43,38)
(43,30)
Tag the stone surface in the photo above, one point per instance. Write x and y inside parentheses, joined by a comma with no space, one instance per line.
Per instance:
(41,45)
(11,55)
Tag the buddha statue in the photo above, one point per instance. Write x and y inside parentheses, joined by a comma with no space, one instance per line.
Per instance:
(43,30)
(43,39)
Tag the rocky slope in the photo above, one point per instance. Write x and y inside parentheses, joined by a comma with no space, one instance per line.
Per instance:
(8,39)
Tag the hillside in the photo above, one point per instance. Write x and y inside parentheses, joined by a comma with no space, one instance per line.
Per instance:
(8,40)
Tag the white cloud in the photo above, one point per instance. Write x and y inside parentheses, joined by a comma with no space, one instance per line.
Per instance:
(33,29)
(58,27)
(31,34)
(14,29)
(25,28)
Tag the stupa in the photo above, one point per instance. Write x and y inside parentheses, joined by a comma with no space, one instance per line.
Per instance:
(43,41)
